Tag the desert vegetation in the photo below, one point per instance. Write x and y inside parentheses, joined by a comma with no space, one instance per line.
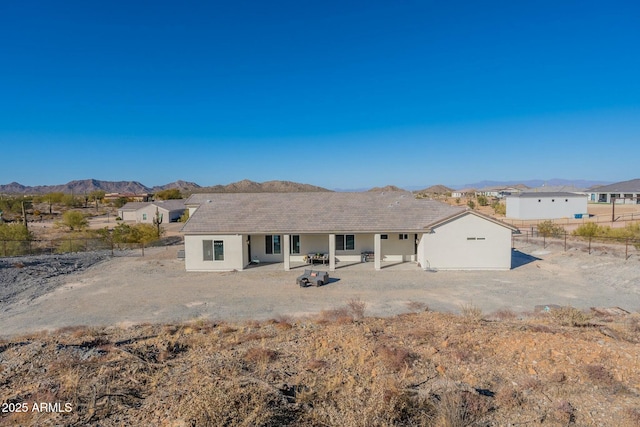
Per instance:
(554,368)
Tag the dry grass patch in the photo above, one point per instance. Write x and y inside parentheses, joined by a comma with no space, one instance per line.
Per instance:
(569,316)
(471,312)
(260,355)
(395,358)
(416,306)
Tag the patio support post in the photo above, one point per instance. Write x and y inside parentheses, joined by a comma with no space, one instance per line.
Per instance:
(332,252)
(286,252)
(377,252)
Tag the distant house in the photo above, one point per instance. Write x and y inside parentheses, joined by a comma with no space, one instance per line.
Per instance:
(144,212)
(546,205)
(498,192)
(625,192)
(463,193)
(229,231)
(142,197)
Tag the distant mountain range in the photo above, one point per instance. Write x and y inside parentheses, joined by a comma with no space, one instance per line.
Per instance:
(86,186)
(536,183)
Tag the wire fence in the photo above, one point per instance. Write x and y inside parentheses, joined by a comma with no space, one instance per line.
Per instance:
(10,248)
(584,219)
(623,246)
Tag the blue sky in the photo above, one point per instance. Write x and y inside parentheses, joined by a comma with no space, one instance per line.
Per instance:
(337,94)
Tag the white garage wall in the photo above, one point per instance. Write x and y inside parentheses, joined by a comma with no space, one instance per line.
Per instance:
(448,247)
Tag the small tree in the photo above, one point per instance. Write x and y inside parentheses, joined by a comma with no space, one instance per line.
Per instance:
(590,229)
(499,208)
(549,229)
(483,201)
(471,204)
(74,221)
(169,193)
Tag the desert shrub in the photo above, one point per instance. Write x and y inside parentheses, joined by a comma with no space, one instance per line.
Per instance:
(395,358)
(356,308)
(339,315)
(589,229)
(260,355)
(549,229)
(483,201)
(565,412)
(569,316)
(233,404)
(14,239)
(379,403)
(471,312)
(598,374)
(417,306)
(504,314)
(499,208)
(460,409)
(471,204)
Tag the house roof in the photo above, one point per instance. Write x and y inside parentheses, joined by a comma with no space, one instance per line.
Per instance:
(631,186)
(134,206)
(169,205)
(470,212)
(547,194)
(316,213)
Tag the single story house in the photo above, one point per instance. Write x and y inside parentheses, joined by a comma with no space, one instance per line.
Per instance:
(625,192)
(463,193)
(229,231)
(546,205)
(145,212)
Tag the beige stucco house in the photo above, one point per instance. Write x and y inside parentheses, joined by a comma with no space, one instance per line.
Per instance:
(230,231)
(144,212)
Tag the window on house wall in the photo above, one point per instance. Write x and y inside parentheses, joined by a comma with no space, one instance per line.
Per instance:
(218,250)
(144,216)
(345,242)
(403,236)
(272,244)
(384,236)
(207,250)
(295,244)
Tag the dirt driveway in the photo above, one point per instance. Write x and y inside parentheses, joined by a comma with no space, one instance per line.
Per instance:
(155,288)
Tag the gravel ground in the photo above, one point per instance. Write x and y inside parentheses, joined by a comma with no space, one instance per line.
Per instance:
(87,289)
(25,278)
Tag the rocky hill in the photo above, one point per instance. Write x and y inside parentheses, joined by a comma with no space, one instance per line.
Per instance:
(436,189)
(247,186)
(387,188)
(88,185)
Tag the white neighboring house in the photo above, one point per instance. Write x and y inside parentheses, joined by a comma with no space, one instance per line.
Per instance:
(546,205)
(144,212)
(626,192)
(230,230)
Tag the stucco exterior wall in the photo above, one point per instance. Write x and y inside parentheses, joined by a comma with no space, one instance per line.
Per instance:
(544,207)
(466,243)
(127,215)
(234,253)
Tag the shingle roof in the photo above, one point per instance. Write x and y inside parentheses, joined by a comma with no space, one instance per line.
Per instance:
(170,205)
(631,186)
(134,206)
(315,213)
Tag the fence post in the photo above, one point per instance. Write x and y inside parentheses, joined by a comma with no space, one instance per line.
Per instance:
(4,247)
(142,248)
(626,249)
(589,245)
(565,240)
